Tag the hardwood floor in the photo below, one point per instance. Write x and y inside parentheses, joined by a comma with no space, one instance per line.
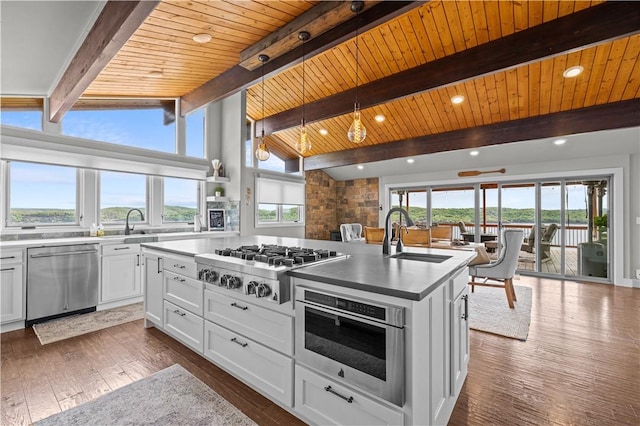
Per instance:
(580,365)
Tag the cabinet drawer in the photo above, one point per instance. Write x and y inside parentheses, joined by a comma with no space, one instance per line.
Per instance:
(270,328)
(184,326)
(118,249)
(11,256)
(263,368)
(184,292)
(327,403)
(180,266)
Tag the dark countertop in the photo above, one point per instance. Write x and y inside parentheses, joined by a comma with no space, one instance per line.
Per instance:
(364,269)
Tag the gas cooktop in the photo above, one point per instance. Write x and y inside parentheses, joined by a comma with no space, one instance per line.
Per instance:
(278,255)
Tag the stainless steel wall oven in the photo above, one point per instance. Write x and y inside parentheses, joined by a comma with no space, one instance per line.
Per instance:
(359,342)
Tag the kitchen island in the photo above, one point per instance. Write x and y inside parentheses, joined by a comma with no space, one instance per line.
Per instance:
(253,326)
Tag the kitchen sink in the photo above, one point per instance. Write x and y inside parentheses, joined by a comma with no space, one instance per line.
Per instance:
(421,257)
(141,239)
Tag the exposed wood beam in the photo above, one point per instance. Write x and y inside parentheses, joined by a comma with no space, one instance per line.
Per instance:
(320,18)
(238,78)
(601,117)
(582,29)
(115,25)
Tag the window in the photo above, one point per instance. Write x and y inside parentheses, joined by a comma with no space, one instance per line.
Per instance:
(150,126)
(180,200)
(42,195)
(279,201)
(195,133)
(119,193)
(22,112)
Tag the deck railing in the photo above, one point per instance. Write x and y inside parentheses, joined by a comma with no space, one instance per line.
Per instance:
(575,234)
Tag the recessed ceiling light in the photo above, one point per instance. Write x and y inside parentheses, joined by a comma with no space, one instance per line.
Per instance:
(573,71)
(155,74)
(323,132)
(202,38)
(457,99)
(559,141)
(410,160)
(360,167)
(474,153)
(379,118)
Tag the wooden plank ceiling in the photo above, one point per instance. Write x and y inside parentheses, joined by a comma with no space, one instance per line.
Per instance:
(428,33)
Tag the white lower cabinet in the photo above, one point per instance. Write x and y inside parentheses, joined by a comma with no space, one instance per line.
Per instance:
(12,285)
(153,291)
(459,338)
(184,326)
(324,402)
(183,291)
(263,325)
(121,272)
(266,369)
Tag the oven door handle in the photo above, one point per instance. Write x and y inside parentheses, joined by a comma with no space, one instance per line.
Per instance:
(345,314)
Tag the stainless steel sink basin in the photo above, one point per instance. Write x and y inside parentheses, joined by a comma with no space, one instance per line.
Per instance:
(141,239)
(421,257)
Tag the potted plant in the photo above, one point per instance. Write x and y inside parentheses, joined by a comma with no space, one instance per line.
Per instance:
(601,223)
(219,191)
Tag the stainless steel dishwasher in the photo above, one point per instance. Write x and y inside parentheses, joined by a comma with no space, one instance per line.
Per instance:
(61,280)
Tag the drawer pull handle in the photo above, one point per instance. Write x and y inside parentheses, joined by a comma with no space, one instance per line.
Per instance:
(235,305)
(122,248)
(234,340)
(349,400)
(179,279)
(177,311)
(8,269)
(7,257)
(179,266)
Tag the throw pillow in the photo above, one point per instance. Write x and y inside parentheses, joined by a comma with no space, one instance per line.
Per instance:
(481,258)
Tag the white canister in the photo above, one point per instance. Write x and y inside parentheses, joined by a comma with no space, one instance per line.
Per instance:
(196,223)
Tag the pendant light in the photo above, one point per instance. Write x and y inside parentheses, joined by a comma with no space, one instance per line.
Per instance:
(357,132)
(304,142)
(262,153)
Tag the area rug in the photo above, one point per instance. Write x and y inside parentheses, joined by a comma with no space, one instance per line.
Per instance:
(172,396)
(76,325)
(490,312)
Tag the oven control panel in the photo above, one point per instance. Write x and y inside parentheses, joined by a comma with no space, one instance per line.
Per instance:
(347,305)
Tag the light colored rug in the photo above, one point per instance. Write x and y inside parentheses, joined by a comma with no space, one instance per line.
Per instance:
(76,325)
(490,312)
(172,396)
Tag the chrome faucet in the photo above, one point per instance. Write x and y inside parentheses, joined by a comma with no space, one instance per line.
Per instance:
(128,230)
(386,242)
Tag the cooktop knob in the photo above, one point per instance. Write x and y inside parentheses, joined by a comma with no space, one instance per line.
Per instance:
(251,287)
(224,280)
(263,290)
(233,282)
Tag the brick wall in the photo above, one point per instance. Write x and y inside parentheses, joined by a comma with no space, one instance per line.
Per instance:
(330,203)
(320,213)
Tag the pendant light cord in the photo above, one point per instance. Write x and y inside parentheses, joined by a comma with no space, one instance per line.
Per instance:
(357,28)
(262,139)
(303,42)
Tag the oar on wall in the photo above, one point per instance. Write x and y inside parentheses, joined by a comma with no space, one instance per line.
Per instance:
(479,172)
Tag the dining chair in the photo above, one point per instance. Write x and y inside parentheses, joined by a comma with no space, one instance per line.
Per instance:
(500,272)
(373,235)
(351,232)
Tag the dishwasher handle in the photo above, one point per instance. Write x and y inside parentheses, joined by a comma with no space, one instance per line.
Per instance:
(65,253)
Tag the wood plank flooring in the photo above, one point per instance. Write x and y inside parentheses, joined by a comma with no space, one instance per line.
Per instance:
(580,365)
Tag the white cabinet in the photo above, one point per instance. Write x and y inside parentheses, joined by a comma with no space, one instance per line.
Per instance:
(184,326)
(121,272)
(459,334)
(263,325)
(265,369)
(152,278)
(183,291)
(12,286)
(325,402)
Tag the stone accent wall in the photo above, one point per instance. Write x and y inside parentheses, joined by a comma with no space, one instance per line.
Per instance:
(330,203)
(320,213)
(357,201)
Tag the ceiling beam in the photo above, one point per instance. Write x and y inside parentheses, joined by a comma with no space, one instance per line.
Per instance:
(115,25)
(579,30)
(238,78)
(320,18)
(616,115)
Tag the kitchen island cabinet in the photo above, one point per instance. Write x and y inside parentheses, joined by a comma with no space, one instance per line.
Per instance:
(432,294)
